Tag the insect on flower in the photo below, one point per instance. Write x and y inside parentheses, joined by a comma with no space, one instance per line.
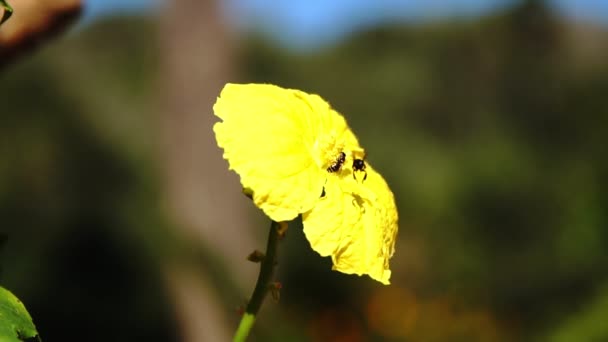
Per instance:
(335,167)
(288,147)
(359,165)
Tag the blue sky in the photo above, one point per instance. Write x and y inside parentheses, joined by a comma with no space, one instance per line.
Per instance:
(324,21)
(308,23)
(97,8)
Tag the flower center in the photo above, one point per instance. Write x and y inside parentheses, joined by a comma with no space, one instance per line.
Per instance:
(328,153)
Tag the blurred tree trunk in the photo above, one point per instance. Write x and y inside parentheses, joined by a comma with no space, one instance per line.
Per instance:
(203,196)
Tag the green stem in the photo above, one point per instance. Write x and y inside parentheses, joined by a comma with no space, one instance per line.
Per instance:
(264,283)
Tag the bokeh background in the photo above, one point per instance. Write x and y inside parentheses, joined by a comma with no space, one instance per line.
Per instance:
(487,118)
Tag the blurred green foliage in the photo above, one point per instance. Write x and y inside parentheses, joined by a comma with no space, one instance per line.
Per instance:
(76,197)
(490,132)
(492,135)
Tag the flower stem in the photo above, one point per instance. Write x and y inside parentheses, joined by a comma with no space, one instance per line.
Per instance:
(264,283)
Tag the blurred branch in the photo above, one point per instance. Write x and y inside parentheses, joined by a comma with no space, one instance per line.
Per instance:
(7,11)
(32,23)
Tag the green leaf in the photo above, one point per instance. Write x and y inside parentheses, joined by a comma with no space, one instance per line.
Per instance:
(7,11)
(15,322)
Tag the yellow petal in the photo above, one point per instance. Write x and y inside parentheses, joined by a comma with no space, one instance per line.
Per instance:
(356,224)
(280,142)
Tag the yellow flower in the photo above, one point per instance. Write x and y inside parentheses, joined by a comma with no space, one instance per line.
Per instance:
(299,157)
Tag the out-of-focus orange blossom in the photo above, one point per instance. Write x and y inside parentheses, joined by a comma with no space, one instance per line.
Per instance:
(397,313)
(392,312)
(337,325)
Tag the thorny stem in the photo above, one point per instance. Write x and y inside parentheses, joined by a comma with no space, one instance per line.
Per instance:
(264,283)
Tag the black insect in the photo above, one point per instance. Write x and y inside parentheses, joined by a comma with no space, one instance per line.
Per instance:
(335,167)
(359,165)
